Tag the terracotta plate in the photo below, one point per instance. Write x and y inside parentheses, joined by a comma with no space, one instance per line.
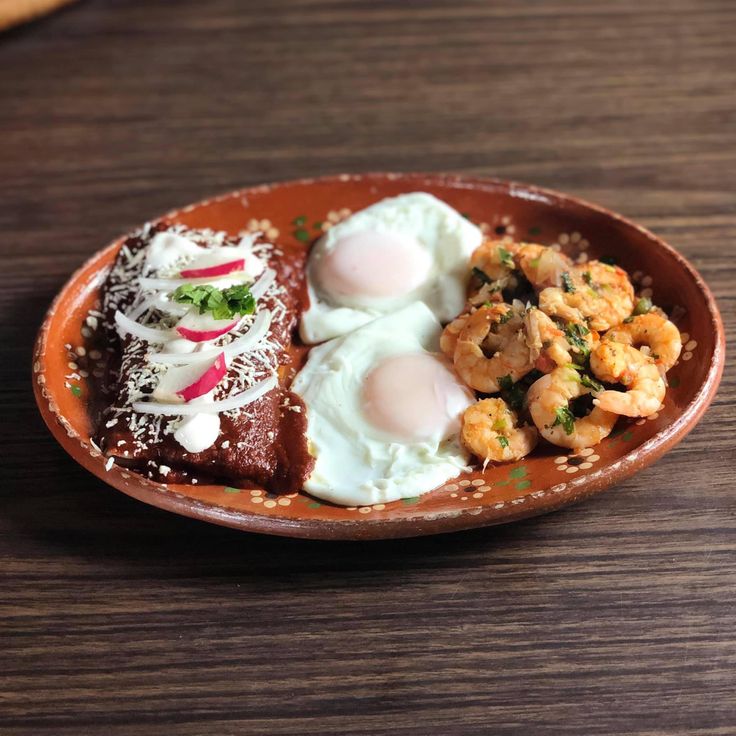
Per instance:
(298,212)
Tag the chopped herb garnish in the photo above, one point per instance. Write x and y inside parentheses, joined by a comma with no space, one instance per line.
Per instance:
(505,382)
(302,234)
(512,393)
(299,221)
(504,318)
(590,383)
(587,277)
(481,275)
(317,225)
(506,258)
(502,441)
(500,425)
(567,283)
(575,333)
(566,418)
(643,306)
(222,303)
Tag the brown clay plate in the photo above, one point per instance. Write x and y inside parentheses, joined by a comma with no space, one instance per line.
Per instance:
(297,212)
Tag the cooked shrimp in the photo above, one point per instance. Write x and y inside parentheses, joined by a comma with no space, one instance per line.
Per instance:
(600,294)
(449,336)
(549,399)
(547,343)
(616,362)
(496,328)
(493,265)
(495,258)
(491,431)
(543,266)
(656,332)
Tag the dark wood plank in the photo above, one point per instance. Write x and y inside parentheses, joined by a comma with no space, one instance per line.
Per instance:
(613,617)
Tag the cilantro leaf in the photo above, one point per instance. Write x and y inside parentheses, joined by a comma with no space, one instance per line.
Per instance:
(502,441)
(512,393)
(567,283)
(575,333)
(643,306)
(590,383)
(506,258)
(566,418)
(222,303)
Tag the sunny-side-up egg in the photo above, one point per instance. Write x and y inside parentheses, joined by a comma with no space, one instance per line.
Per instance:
(384,410)
(409,248)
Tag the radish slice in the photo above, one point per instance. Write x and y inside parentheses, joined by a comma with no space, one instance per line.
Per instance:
(202,270)
(202,327)
(261,286)
(185,383)
(130,327)
(258,330)
(233,402)
(207,381)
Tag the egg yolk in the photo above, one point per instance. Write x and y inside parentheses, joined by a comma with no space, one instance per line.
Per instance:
(374,265)
(414,397)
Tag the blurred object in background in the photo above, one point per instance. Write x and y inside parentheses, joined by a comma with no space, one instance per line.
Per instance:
(14,12)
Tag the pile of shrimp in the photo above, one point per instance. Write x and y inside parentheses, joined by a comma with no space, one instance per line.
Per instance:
(566,348)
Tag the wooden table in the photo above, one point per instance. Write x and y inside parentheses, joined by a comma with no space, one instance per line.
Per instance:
(617,616)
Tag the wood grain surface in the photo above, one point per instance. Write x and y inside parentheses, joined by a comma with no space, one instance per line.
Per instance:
(617,616)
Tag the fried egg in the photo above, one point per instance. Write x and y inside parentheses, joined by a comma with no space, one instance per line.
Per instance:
(383,411)
(409,248)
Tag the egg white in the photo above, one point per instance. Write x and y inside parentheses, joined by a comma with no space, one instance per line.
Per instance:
(448,237)
(357,463)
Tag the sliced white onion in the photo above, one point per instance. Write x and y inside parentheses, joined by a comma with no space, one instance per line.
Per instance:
(233,402)
(258,330)
(172,284)
(156,301)
(261,286)
(131,327)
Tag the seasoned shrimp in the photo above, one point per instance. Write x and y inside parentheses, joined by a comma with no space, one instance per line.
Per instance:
(498,329)
(491,431)
(616,362)
(492,265)
(600,294)
(549,400)
(449,336)
(656,332)
(495,258)
(543,266)
(547,343)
